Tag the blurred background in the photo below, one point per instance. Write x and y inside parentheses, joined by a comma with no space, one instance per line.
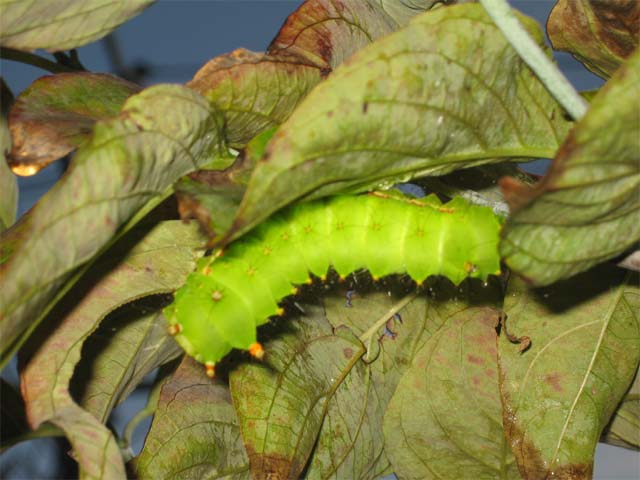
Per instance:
(168,43)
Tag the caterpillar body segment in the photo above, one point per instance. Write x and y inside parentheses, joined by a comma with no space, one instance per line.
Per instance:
(230,295)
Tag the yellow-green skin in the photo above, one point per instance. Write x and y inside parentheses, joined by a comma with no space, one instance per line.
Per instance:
(228,297)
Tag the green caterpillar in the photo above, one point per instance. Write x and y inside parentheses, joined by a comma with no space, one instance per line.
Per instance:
(231,294)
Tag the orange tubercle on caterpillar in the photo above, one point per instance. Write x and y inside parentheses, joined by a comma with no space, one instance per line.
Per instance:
(470,267)
(256,351)
(210,369)
(174,329)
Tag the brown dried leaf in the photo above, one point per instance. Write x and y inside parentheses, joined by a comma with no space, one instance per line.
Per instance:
(257,91)
(254,91)
(56,114)
(599,34)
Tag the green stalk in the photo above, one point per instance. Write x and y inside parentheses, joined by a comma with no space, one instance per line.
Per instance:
(548,73)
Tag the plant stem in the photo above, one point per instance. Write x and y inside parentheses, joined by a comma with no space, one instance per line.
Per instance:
(387,315)
(35,60)
(531,53)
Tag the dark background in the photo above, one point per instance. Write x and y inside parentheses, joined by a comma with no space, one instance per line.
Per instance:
(167,43)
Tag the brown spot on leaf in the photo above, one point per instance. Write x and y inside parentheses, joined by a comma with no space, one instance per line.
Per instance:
(572,472)
(271,467)
(324,72)
(528,457)
(555,380)
(476,360)
(305,35)
(348,352)
(516,193)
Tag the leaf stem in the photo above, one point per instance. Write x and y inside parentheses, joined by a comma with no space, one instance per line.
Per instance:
(531,53)
(34,60)
(387,315)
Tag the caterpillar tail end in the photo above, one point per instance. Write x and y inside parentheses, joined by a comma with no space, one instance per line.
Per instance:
(256,351)
(210,369)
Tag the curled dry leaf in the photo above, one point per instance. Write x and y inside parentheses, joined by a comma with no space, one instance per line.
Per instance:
(56,114)
(599,34)
(257,91)
(254,91)
(327,32)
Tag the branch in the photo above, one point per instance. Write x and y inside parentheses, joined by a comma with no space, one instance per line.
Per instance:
(531,53)
(387,315)
(35,60)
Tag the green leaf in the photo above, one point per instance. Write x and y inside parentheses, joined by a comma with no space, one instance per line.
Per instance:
(8,181)
(599,34)
(585,210)
(158,263)
(350,443)
(413,103)
(57,113)
(94,447)
(55,25)
(445,419)
(161,134)
(281,403)
(195,431)
(585,349)
(129,344)
(624,429)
